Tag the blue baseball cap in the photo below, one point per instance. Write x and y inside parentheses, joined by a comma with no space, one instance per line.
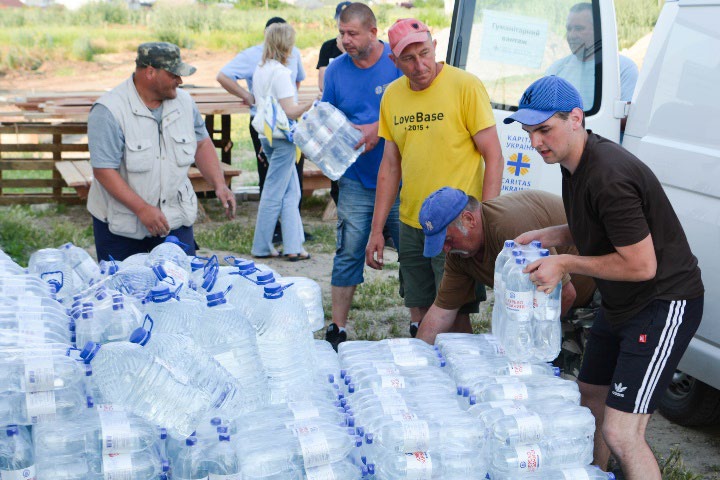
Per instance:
(543,99)
(340,7)
(438,210)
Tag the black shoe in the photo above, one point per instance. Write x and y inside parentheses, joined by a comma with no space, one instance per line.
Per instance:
(335,336)
(277,238)
(309,237)
(413,330)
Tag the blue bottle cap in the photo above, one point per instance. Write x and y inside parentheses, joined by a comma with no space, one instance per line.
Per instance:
(89,352)
(165,465)
(224,438)
(473,399)
(350,421)
(343,372)
(369,438)
(459,390)
(190,441)
(556,371)
(222,430)
(358,441)
(12,430)
(244,265)
(90,402)
(265,278)
(140,336)
(163,434)
(360,431)
(196,264)
(509,244)
(371,468)
(216,298)
(466,392)
(215,421)
(273,290)
(351,388)
(159,271)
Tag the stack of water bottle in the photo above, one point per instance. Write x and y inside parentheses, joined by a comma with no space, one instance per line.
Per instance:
(532,419)
(327,138)
(405,405)
(524,319)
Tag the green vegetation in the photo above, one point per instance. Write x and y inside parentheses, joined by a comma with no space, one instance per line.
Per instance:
(636,18)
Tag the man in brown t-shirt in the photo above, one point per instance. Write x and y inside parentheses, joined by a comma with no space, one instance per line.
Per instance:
(474,234)
(631,242)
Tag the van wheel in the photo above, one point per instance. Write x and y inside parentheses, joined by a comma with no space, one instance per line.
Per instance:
(690,402)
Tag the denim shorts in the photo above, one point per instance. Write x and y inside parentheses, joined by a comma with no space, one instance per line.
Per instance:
(420,276)
(355,211)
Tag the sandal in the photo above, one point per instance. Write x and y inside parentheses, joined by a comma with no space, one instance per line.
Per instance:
(298,257)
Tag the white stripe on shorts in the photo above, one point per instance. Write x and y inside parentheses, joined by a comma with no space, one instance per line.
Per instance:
(660,356)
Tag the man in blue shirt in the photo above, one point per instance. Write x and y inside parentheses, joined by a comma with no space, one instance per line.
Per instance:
(242,67)
(354,83)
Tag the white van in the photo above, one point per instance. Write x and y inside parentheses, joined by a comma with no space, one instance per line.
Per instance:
(673,125)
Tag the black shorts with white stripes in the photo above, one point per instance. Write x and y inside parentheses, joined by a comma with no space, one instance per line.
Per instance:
(638,358)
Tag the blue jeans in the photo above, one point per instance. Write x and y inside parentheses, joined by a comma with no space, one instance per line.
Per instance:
(355,211)
(279,199)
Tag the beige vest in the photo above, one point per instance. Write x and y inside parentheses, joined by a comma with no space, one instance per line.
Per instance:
(155,163)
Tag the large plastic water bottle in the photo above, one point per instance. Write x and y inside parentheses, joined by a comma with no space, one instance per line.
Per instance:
(517,331)
(567,473)
(105,429)
(170,314)
(133,378)
(499,285)
(17,461)
(18,286)
(187,464)
(439,464)
(547,330)
(134,280)
(31,408)
(221,460)
(423,435)
(169,259)
(535,457)
(82,263)
(533,389)
(191,364)
(34,370)
(310,294)
(52,267)
(524,427)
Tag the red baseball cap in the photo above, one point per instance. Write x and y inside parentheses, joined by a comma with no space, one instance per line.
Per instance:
(406,31)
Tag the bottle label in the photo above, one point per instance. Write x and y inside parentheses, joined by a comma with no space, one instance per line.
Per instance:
(389,370)
(39,374)
(115,428)
(228,361)
(392,381)
(404,416)
(515,391)
(530,426)
(117,466)
(32,327)
(418,466)
(40,406)
(519,303)
(540,299)
(303,410)
(519,369)
(529,457)
(315,450)
(27,473)
(306,429)
(322,472)
(575,474)
(416,436)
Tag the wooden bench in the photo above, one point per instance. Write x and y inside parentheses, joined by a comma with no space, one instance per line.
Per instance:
(78,175)
(314,180)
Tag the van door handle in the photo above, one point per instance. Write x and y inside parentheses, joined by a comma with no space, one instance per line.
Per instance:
(621,109)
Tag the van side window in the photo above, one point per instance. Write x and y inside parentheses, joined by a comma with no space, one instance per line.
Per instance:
(513,43)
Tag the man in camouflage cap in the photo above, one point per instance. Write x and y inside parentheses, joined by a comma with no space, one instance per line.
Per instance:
(143,136)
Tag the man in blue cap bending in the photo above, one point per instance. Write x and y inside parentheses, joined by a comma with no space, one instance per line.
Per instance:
(631,242)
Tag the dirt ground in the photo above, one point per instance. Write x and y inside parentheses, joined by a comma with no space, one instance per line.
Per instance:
(700,448)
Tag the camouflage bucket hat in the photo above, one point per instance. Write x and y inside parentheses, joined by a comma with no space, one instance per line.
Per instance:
(163,55)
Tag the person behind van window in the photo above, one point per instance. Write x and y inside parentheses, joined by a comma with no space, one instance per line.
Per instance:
(143,136)
(578,68)
(439,130)
(281,195)
(355,83)
(242,67)
(472,234)
(631,242)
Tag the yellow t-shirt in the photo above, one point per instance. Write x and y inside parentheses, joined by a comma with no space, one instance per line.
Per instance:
(433,129)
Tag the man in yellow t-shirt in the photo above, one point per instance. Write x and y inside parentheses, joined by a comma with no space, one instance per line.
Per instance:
(439,131)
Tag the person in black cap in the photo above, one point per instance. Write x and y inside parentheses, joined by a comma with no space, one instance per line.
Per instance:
(242,67)
(631,242)
(143,136)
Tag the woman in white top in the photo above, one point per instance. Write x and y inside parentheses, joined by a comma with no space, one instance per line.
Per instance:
(281,193)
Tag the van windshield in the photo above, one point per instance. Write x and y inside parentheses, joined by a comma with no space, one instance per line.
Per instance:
(515,42)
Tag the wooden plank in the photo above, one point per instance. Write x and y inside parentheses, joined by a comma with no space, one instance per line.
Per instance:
(44,147)
(27,199)
(26,164)
(71,175)
(74,128)
(31,183)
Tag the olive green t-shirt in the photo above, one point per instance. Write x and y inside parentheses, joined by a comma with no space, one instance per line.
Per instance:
(504,218)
